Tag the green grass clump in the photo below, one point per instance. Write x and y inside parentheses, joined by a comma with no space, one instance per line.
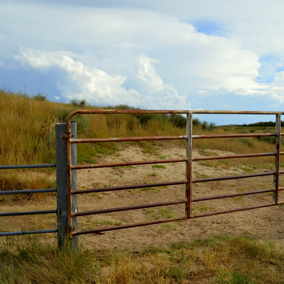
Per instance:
(28,260)
(159,167)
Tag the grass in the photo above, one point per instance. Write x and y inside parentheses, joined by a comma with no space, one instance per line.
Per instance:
(220,259)
(158,166)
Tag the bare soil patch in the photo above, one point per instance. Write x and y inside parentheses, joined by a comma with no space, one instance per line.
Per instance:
(264,223)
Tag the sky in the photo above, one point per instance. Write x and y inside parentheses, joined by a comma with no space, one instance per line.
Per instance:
(153,54)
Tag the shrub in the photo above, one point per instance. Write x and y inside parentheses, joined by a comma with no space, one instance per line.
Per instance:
(40,97)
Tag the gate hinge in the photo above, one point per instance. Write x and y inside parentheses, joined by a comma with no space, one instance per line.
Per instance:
(65,136)
(69,229)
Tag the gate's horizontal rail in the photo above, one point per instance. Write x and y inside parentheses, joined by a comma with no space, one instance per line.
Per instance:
(111,228)
(27,166)
(77,214)
(28,191)
(98,111)
(232,195)
(127,187)
(234,156)
(28,232)
(233,135)
(28,213)
(232,210)
(135,163)
(233,177)
(125,139)
(235,112)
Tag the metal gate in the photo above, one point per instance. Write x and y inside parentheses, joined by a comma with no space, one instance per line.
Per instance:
(72,167)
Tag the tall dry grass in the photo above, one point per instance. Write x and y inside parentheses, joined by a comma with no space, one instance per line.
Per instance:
(27,133)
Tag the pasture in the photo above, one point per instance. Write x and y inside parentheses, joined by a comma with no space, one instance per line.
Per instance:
(242,247)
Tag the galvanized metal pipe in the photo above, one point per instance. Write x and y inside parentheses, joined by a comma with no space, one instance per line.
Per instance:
(135,163)
(27,166)
(28,191)
(28,213)
(27,232)
(126,208)
(232,195)
(112,228)
(127,187)
(232,177)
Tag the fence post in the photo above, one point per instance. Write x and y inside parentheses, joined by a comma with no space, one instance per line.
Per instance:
(61,180)
(277,158)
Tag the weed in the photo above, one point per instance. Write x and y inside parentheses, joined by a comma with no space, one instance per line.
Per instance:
(159,166)
(238,198)
(204,208)
(166,213)
(168,226)
(154,174)
(204,176)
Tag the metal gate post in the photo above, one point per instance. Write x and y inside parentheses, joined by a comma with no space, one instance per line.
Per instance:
(61,180)
(277,158)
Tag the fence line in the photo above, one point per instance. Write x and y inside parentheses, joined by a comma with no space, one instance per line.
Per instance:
(66,174)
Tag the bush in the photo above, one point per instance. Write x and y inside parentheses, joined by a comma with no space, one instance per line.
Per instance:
(178,120)
(83,125)
(40,97)
(204,125)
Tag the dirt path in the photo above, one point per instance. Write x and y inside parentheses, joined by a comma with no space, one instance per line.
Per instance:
(265,223)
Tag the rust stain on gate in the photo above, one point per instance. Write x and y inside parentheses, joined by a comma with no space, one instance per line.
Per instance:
(189,180)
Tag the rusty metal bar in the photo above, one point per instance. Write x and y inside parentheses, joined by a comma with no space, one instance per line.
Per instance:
(232,195)
(126,208)
(277,158)
(234,156)
(124,139)
(232,210)
(69,172)
(232,177)
(235,112)
(127,187)
(135,163)
(111,228)
(188,192)
(233,135)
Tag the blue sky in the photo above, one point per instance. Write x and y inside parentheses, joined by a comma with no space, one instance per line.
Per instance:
(183,54)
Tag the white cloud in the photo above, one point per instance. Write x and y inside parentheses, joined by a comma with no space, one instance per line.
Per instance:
(101,61)
(93,85)
(165,94)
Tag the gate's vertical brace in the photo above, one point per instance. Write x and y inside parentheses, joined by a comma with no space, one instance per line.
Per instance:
(61,181)
(277,158)
(74,183)
(188,164)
